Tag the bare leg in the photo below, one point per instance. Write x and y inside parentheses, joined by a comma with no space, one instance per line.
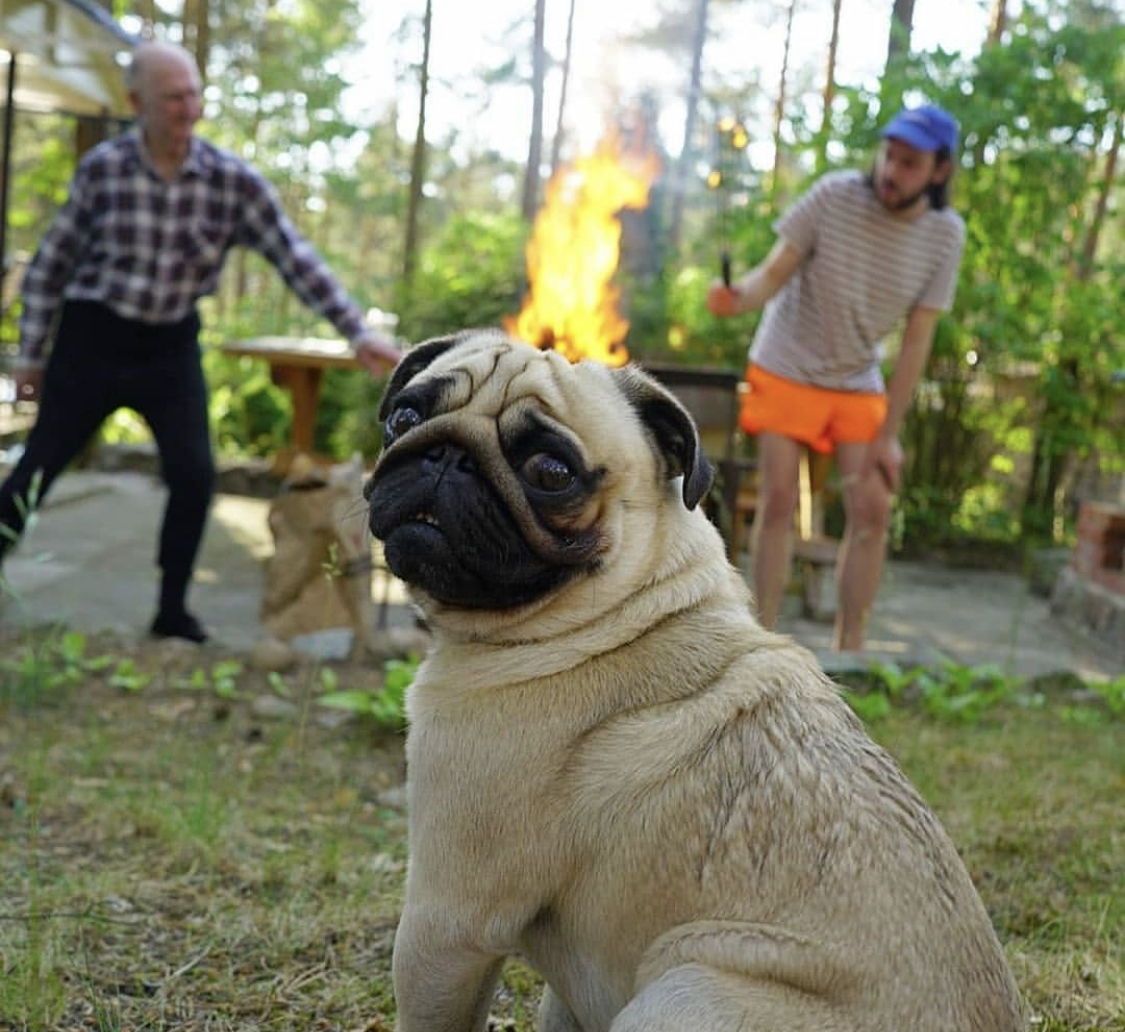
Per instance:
(779,464)
(867,507)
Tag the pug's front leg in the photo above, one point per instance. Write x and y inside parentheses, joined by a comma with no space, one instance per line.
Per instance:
(440,985)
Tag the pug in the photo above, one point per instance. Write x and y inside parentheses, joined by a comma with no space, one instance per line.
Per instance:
(613,770)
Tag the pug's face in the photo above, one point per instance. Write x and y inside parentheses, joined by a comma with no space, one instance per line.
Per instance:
(506,470)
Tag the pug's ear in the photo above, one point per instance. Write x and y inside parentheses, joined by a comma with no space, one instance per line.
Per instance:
(674,430)
(414,361)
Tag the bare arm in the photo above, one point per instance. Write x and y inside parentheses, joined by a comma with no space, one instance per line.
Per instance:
(917,339)
(752,291)
(884,452)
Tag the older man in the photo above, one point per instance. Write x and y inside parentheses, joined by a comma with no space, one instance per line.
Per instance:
(855,255)
(150,218)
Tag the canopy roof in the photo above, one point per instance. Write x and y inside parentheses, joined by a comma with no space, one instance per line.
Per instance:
(66,56)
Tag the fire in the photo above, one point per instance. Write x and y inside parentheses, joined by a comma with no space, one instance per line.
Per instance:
(572,256)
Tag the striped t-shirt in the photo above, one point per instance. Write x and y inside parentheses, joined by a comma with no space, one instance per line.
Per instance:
(864,269)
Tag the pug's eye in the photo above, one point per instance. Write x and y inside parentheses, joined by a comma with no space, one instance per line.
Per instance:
(547,473)
(399,422)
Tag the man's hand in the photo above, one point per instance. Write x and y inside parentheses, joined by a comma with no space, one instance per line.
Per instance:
(28,375)
(751,292)
(884,454)
(377,354)
(722,300)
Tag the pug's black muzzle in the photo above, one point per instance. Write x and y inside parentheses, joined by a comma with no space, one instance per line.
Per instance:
(447,531)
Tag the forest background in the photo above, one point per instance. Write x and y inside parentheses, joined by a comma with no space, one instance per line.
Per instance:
(1020,413)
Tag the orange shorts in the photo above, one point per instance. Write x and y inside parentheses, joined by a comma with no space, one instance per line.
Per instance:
(816,416)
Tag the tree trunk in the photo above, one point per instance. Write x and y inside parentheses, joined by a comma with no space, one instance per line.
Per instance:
(202,34)
(196,29)
(997,22)
(1086,263)
(902,24)
(779,108)
(556,143)
(418,159)
(146,11)
(694,90)
(530,200)
(829,90)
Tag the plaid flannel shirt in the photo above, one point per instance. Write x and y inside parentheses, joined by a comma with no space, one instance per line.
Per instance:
(149,249)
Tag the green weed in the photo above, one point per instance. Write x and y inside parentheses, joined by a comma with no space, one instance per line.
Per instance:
(221,679)
(45,665)
(386,706)
(958,694)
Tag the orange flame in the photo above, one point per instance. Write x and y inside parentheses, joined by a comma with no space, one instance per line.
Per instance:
(573,254)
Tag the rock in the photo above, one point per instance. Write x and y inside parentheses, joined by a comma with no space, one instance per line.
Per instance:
(271,707)
(399,643)
(1043,569)
(333,719)
(334,643)
(272,655)
(1091,608)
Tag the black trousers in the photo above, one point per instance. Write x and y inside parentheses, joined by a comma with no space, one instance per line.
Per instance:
(100,363)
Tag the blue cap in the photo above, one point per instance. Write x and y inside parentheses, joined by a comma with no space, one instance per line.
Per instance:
(928,128)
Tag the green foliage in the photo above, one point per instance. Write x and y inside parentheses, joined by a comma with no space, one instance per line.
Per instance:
(45,666)
(740,222)
(27,506)
(348,418)
(387,706)
(221,679)
(949,692)
(954,693)
(471,275)
(1113,692)
(128,677)
(249,414)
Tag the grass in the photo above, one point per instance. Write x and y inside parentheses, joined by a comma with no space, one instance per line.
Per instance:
(186,850)
(1033,803)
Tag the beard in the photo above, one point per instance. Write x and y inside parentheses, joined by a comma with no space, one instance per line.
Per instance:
(903,203)
(878,183)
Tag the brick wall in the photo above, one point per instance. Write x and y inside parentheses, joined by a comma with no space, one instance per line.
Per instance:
(1099,554)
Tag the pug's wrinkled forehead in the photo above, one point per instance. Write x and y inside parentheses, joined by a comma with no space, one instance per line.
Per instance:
(500,389)
(491,387)
(488,370)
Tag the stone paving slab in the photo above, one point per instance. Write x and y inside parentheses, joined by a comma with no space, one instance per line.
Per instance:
(925,613)
(90,562)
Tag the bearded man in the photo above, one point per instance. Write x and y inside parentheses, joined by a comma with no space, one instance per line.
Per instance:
(855,256)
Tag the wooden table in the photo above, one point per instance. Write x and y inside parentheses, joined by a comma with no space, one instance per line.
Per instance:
(298,364)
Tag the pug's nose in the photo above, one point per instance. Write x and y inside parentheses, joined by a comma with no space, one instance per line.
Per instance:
(450,457)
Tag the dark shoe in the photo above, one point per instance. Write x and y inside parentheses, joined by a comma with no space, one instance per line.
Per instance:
(178,625)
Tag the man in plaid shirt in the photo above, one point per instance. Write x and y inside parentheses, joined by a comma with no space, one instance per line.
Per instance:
(150,218)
